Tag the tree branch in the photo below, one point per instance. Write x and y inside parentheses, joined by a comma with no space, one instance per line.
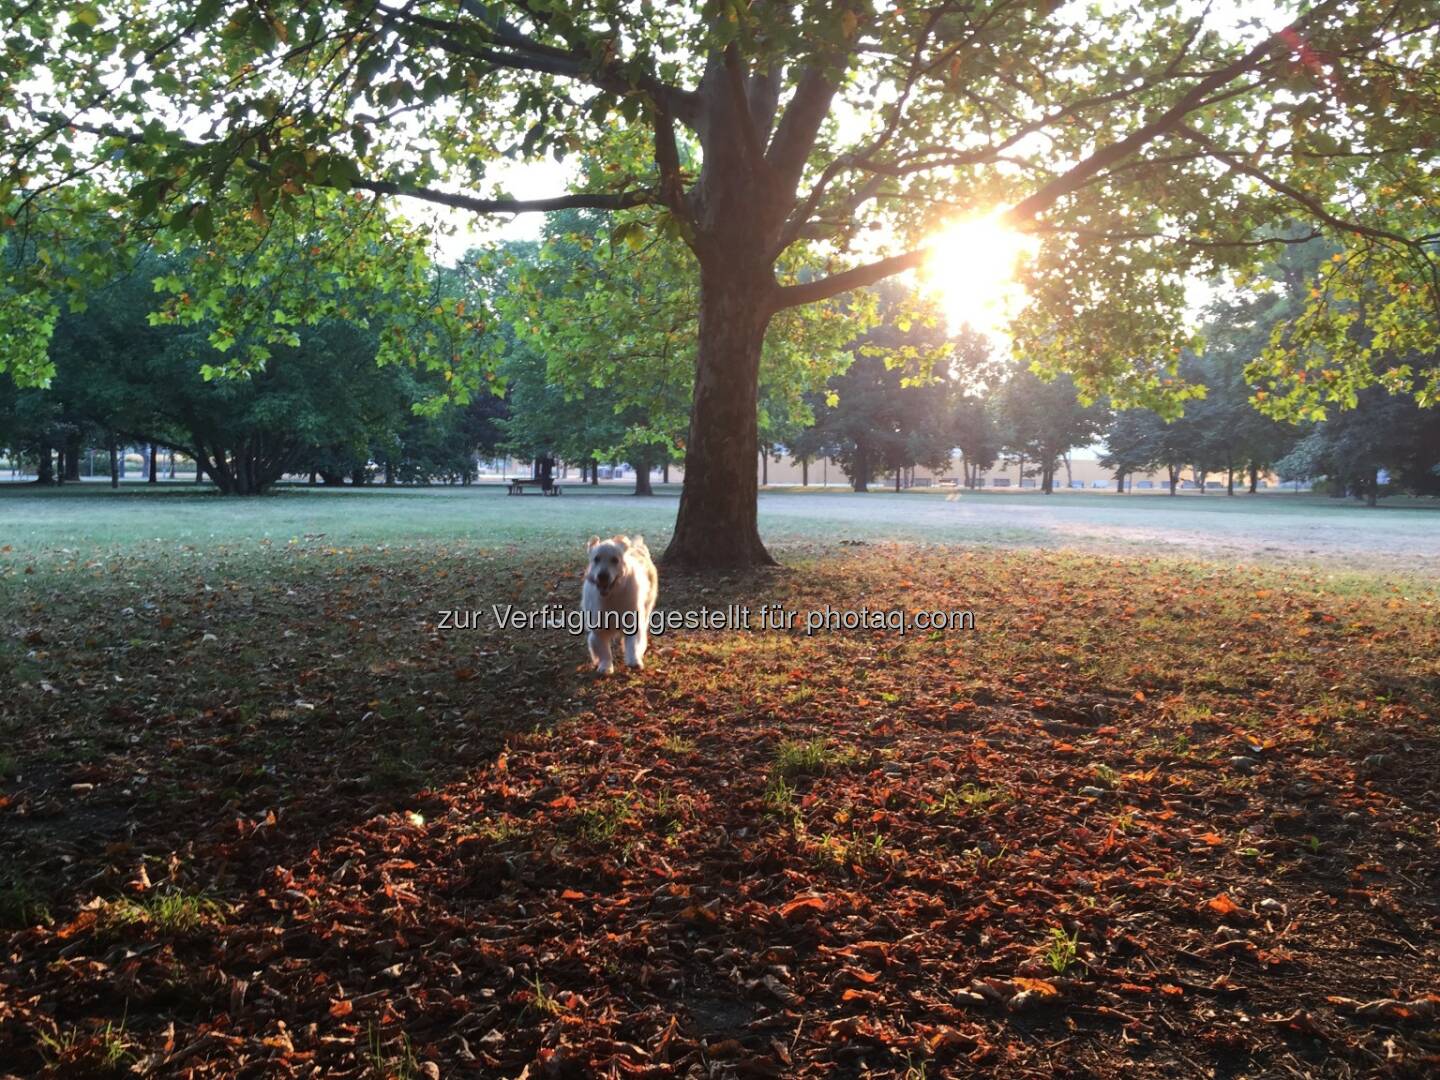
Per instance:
(740,102)
(857,278)
(592,200)
(799,126)
(526,54)
(1312,205)
(1194,98)
(579,201)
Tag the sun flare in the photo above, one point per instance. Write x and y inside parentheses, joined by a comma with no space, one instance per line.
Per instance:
(971,269)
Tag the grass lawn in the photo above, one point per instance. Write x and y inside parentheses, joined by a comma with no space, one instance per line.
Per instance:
(261,814)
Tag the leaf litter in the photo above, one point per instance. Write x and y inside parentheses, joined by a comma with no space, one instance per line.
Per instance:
(338,841)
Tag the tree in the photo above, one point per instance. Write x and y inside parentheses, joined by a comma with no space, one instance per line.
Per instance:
(1042,420)
(975,433)
(322,404)
(1384,433)
(612,310)
(810,123)
(887,410)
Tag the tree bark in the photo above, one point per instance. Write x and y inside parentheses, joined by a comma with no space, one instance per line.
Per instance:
(665,473)
(860,481)
(73,449)
(594,473)
(114,465)
(805,472)
(764,469)
(1119,483)
(1174,479)
(45,467)
(1254,479)
(642,477)
(1372,489)
(716,527)
(154,477)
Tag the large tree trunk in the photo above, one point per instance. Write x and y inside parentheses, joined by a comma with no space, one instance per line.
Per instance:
(716,526)
(154,477)
(805,472)
(1174,479)
(1254,479)
(1119,483)
(1372,488)
(114,465)
(764,469)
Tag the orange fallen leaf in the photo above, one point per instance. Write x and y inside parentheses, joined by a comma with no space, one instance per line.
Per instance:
(801,906)
(1043,987)
(1222,904)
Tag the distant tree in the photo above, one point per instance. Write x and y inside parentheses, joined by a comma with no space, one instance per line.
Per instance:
(319,404)
(1041,421)
(812,441)
(1383,433)
(887,411)
(974,431)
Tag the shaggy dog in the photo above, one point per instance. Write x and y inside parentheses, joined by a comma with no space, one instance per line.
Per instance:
(617,599)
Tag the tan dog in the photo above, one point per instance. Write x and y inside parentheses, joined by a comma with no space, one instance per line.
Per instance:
(618,596)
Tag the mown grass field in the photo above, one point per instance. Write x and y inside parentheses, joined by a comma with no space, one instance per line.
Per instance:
(260,815)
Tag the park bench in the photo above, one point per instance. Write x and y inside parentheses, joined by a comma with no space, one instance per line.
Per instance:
(518,485)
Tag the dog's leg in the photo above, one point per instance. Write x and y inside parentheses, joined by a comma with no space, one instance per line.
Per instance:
(635,646)
(600,652)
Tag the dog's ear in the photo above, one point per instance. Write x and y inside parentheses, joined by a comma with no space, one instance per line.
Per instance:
(624,542)
(589,544)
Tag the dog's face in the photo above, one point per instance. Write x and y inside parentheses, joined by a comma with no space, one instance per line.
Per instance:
(607,560)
